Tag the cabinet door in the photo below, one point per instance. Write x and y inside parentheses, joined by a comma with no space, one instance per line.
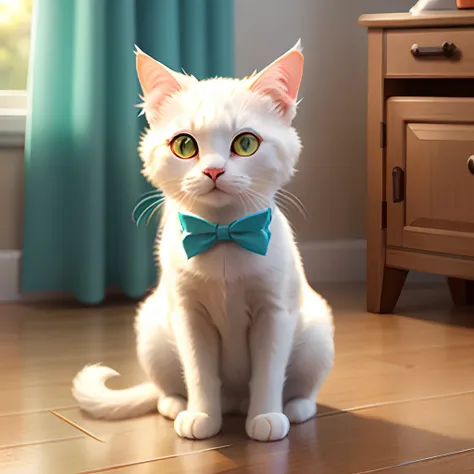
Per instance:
(430,175)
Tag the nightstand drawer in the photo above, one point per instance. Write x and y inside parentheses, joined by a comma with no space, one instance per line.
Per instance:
(444,52)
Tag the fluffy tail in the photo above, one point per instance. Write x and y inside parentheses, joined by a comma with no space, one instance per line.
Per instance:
(101,402)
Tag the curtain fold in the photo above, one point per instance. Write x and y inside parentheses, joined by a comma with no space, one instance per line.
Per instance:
(82,170)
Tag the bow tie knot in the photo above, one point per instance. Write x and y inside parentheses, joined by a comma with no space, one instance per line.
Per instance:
(223,233)
(250,232)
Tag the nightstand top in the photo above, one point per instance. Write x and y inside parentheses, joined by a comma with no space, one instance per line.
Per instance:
(428,19)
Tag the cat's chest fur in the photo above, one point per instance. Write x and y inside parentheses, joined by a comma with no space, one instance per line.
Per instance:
(229,307)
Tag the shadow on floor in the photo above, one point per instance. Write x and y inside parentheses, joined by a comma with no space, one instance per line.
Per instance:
(345,443)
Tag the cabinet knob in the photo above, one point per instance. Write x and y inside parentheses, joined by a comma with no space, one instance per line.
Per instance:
(470,164)
(448,50)
(398,184)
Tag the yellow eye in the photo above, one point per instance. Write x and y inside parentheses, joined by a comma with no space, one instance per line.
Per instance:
(245,144)
(184,146)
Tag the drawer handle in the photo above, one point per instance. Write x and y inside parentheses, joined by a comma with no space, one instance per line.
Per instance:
(447,50)
(470,164)
(398,184)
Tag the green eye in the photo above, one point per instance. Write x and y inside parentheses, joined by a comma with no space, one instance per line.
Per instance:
(184,146)
(245,144)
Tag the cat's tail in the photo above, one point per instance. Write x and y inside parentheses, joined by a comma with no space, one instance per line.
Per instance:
(97,400)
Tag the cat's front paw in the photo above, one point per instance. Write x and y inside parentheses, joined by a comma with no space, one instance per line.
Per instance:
(269,427)
(196,425)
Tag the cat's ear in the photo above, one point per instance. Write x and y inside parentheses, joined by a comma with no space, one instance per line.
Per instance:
(281,79)
(157,82)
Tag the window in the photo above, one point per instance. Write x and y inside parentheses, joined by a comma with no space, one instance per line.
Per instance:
(15,26)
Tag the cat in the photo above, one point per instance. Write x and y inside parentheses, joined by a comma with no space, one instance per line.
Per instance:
(227,330)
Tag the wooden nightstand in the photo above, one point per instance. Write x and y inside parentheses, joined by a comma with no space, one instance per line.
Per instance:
(420,153)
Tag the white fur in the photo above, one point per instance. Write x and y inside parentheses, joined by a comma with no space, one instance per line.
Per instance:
(227,331)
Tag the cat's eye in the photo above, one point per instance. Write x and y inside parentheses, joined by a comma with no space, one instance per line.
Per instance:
(184,146)
(245,144)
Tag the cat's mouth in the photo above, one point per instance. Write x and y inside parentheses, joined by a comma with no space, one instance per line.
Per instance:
(218,190)
(216,197)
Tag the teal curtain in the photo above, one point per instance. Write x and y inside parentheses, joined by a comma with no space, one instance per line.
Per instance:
(82,171)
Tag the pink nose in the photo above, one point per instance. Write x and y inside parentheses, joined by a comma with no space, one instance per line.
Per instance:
(213,173)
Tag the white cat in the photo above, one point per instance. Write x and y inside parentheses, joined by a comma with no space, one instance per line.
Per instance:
(228,330)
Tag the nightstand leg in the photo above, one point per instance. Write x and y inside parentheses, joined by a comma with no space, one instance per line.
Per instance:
(385,300)
(462,291)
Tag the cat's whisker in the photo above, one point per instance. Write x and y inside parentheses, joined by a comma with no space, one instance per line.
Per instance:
(286,196)
(154,211)
(266,199)
(162,202)
(145,212)
(182,201)
(296,201)
(258,199)
(286,212)
(154,192)
(284,204)
(283,208)
(153,198)
(280,205)
(242,202)
(246,196)
(194,199)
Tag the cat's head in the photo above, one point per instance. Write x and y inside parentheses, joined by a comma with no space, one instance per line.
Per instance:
(220,141)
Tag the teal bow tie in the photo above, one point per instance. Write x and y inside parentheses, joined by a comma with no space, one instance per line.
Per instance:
(250,232)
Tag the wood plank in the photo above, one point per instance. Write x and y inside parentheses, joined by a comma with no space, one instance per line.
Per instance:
(385,334)
(393,388)
(49,387)
(33,428)
(213,462)
(462,463)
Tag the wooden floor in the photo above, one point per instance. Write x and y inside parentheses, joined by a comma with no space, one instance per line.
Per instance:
(400,399)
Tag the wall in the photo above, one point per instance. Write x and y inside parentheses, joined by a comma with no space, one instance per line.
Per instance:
(11,197)
(331,120)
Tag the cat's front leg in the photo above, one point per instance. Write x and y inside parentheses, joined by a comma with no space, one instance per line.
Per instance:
(198,346)
(270,341)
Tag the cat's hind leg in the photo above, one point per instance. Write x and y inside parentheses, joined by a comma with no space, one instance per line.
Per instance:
(170,407)
(310,362)
(158,356)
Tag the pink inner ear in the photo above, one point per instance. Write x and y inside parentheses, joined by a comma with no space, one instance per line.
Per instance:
(156,80)
(281,80)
